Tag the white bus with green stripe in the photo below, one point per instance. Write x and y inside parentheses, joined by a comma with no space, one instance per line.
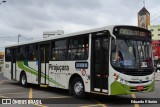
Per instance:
(111,60)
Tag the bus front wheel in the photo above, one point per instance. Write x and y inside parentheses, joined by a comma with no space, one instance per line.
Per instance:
(24,80)
(78,88)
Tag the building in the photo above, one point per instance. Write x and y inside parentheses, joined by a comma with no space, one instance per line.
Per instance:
(144,18)
(1,56)
(155,29)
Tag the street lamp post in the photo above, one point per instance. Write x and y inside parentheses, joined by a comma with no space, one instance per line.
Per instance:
(2,2)
(18,37)
(23,37)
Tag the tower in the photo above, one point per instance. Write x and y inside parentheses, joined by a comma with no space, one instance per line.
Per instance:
(143,17)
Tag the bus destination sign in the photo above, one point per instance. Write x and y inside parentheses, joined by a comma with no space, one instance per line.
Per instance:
(123,31)
(131,31)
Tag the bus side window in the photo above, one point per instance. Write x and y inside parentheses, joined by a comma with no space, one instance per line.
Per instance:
(59,50)
(8,55)
(78,48)
(21,53)
(54,52)
(30,53)
(35,53)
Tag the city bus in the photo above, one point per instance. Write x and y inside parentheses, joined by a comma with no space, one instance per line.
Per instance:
(111,60)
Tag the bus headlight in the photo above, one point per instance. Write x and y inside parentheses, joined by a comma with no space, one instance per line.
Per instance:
(116,76)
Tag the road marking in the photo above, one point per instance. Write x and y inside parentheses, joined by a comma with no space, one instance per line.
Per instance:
(13,93)
(10,88)
(98,104)
(2,81)
(134,96)
(3,97)
(61,97)
(31,96)
(30,93)
(101,104)
(40,105)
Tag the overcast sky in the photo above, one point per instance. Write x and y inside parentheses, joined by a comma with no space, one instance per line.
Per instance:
(31,17)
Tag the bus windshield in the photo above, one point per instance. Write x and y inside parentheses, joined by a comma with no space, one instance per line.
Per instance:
(132,54)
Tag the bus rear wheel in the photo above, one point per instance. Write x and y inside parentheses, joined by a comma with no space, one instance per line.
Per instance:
(23,80)
(78,88)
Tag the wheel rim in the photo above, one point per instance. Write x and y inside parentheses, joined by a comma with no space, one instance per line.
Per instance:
(23,79)
(78,88)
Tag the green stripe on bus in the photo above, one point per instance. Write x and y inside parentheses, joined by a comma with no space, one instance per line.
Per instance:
(23,65)
(118,88)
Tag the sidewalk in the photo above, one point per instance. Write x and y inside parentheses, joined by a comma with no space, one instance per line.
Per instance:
(157,76)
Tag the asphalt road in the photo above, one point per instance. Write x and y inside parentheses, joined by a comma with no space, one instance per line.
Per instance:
(61,98)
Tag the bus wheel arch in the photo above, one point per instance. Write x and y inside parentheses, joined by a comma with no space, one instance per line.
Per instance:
(23,78)
(76,82)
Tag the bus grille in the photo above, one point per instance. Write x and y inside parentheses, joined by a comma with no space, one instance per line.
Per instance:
(137,82)
(133,89)
(139,73)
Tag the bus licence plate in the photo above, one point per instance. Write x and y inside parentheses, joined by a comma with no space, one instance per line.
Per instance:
(140,88)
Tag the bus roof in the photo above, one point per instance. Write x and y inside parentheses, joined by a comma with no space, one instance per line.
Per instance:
(110,28)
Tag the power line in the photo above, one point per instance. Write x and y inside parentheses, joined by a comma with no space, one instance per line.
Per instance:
(25,37)
(155,18)
(155,14)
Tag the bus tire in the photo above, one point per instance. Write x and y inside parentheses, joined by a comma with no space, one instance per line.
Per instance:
(78,88)
(23,80)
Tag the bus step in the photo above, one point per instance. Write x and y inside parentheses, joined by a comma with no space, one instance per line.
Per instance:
(93,92)
(44,85)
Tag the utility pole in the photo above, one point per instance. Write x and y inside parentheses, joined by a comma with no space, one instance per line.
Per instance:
(18,37)
(23,37)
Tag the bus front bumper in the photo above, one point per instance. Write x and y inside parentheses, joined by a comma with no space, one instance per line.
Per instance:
(118,88)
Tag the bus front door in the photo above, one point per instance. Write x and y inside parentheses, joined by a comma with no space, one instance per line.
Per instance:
(44,60)
(13,63)
(99,69)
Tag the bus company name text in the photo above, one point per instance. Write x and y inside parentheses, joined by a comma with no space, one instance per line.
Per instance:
(59,67)
(21,101)
(144,101)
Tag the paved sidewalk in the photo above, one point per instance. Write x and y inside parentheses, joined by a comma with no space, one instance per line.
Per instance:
(157,76)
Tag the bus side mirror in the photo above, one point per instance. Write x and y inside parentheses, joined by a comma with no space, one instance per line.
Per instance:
(113,45)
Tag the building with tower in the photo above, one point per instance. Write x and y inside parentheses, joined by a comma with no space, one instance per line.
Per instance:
(144,22)
(144,18)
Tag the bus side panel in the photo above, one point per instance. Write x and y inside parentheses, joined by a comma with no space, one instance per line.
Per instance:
(58,73)
(7,70)
(84,74)
(18,72)
(34,66)
(23,66)
(43,72)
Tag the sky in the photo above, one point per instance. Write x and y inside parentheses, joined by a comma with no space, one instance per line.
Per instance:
(30,18)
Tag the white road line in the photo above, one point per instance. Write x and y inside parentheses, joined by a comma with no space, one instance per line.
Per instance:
(10,88)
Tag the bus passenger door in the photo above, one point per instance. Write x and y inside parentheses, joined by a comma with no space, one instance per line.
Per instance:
(43,66)
(99,63)
(13,63)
